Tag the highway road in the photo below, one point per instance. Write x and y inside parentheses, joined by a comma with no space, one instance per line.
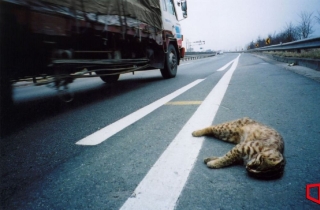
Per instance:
(129,146)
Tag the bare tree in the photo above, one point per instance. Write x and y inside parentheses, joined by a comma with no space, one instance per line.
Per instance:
(275,38)
(318,17)
(289,34)
(251,45)
(305,27)
(259,42)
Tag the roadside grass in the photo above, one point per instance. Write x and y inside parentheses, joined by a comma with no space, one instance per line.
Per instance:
(311,53)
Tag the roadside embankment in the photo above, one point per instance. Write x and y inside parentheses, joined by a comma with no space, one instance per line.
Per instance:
(304,66)
(307,58)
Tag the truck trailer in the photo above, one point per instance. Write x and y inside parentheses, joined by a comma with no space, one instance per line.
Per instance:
(57,41)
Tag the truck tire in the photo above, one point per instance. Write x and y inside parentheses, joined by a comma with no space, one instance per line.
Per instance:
(171,63)
(110,78)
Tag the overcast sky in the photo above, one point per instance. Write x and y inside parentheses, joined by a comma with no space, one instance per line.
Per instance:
(232,24)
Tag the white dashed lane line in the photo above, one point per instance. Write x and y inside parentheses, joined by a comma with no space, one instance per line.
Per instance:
(226,66)
(108,131)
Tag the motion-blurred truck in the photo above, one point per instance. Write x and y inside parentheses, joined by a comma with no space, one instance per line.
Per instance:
(57,41)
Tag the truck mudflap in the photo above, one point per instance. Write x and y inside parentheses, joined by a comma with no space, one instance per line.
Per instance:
(182,52)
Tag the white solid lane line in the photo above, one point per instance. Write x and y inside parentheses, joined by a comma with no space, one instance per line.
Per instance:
(108,131)
(162,185)
(226,66)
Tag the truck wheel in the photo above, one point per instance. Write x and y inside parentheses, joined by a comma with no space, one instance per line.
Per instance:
(110,78)
(170,65)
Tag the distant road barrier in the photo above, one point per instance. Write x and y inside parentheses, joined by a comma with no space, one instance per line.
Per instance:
(295,45)
(197,55)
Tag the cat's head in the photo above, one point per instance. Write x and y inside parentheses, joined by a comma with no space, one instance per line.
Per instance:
(267,165)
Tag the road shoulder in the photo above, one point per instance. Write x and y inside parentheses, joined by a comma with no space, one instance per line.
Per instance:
(307,72)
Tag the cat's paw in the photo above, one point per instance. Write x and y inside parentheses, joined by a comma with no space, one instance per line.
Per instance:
(206,160)
(197,133)
(213,164)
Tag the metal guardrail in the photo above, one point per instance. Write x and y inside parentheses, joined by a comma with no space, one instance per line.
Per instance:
(195,56)
(298,46)
(198,53)
(295,45)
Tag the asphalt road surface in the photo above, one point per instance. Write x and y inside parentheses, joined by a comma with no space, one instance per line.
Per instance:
(129,146)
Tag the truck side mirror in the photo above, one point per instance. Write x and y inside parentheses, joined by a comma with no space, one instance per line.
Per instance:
(184,8)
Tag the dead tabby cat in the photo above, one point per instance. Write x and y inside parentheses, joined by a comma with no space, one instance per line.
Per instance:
(260,147)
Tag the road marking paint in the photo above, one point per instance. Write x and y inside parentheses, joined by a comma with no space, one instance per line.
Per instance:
(108,131)
(184,103)
(226,66)
(162,185)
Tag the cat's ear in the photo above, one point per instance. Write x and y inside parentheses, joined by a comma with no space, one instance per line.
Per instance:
(274,160)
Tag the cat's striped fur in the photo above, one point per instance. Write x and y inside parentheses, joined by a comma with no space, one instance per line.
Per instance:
(259,146)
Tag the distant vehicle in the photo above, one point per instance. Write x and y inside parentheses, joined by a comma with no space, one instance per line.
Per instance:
(219,52)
